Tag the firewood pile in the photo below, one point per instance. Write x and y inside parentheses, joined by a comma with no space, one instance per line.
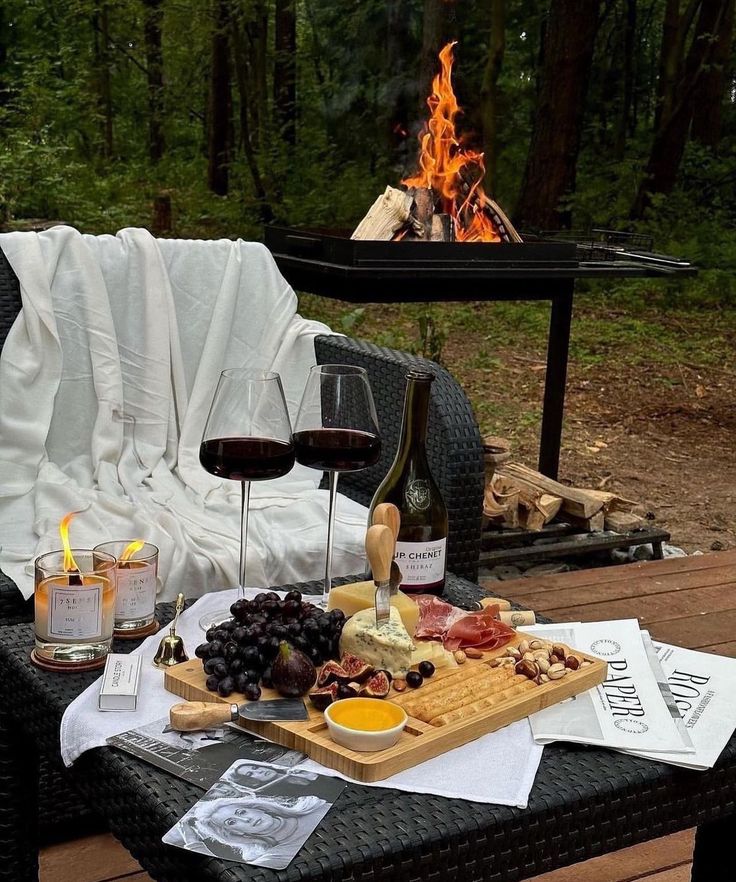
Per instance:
(416,214)
(517,496)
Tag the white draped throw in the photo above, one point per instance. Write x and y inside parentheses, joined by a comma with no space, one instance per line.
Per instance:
(106,379)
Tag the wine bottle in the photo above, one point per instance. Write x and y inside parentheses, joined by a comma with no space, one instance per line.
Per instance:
(421,545)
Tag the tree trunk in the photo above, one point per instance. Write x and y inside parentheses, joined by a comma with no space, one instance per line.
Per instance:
(623,126)
(101,26)
(549,174)
(284,70)
(489,91)
(218,141)
(401,100)
(241,78)
(671,133)
(438,28)
(153,15)
(711,92)
(257,31)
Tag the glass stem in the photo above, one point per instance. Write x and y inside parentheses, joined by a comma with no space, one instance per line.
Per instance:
(330,528)
(244,506)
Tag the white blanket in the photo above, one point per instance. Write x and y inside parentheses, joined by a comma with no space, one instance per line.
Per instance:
(498,768)
(106,379)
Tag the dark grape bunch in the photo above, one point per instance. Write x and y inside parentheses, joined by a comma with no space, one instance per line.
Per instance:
(238,653)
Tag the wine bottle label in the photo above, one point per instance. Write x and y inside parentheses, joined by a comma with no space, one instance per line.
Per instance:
(136,597)
(75,613)
(421,563)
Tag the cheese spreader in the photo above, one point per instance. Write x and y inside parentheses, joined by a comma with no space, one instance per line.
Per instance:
(190,716)
(388,514)
(379,546)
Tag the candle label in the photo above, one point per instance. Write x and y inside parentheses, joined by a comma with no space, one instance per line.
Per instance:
(136,597)
(76,613)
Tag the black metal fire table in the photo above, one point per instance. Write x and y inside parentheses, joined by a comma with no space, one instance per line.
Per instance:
(359,271)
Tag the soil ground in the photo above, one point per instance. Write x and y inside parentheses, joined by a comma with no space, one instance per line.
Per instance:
(651,394)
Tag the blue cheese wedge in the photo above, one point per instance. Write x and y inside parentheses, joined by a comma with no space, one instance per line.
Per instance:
(388,646)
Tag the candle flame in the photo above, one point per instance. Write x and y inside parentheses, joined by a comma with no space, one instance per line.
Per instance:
(70,565)
(131,549)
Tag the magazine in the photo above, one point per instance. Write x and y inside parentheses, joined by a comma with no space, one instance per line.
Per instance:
(628,710)
(200,757)
(257,813)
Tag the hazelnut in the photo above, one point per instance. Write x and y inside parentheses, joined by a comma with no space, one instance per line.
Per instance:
(554,659)
(572,662)
(527,669)
(559,650)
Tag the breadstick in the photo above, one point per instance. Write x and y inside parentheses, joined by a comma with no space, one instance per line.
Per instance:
(468,710)
(431,687)
(451,700)
(422,700)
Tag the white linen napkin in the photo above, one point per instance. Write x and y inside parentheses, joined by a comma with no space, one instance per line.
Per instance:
(498,768)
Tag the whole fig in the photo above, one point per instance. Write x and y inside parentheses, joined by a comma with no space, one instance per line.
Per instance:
(292,672)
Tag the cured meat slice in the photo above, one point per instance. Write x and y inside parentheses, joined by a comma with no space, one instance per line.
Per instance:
(458,628)
(480,630)
(435,616)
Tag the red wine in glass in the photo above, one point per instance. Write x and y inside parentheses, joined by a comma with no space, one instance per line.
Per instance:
(336,431)
(247,459)
(337,450)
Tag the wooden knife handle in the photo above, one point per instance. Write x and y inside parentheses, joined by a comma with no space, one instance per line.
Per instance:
(387,513)
(192,715)
(379,546)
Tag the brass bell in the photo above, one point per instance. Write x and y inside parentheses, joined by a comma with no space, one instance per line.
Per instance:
(171,648)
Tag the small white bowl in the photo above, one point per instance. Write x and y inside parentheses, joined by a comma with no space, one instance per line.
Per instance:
(365,740)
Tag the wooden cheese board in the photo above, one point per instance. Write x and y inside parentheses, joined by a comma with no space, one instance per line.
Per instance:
(420,741)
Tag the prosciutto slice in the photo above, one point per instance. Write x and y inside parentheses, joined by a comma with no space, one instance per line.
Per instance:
(458,628)
(481,630)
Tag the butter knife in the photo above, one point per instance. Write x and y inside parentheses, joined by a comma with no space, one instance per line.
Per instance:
(379,543)
(387,513)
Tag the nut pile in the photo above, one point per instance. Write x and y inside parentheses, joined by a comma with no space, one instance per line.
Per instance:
(540,661)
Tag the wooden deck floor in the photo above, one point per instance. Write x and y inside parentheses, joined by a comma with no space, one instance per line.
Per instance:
(689,601)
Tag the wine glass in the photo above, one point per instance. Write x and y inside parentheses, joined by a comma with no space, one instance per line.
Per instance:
(336,430)
(247,437)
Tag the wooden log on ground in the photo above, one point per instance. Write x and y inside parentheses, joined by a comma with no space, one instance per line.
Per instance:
(622,521)
(388,214)
(581,503)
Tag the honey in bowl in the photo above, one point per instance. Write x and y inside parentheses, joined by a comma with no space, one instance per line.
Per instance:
(367,714)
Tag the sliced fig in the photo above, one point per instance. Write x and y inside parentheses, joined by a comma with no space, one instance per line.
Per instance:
(356,669)
(348,690)
(331,672)
(324,696)
(378,686)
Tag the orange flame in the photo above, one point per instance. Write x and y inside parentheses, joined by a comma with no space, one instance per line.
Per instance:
(70,565)
(442,159)
(131,549)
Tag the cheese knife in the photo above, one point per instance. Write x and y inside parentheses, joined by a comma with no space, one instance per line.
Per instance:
(387,513)
(378,547)
(190,716)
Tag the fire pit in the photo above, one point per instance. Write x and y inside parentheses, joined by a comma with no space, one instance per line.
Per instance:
(443,239)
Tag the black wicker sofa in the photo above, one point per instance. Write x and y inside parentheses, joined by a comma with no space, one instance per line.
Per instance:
(455,453)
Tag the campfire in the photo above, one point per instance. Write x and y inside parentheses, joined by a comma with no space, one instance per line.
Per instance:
(444,200)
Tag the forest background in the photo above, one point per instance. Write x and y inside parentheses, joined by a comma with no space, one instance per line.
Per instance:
(206,119)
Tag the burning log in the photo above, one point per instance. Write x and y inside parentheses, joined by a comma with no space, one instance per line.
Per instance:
(386,217)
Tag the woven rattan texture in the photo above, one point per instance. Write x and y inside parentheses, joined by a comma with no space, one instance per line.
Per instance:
(454,445)
(584,802)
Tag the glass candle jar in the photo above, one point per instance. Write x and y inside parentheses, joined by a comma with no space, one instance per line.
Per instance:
(74,609)
(137,584)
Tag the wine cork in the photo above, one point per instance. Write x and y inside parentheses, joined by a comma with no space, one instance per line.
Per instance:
(517,617)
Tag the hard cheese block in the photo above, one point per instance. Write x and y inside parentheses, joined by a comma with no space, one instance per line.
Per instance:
(361,595)
(433,651)
(388,646)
